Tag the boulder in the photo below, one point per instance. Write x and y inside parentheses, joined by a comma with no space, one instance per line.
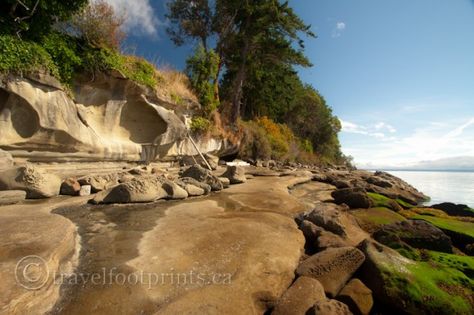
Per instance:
(202,175)
(329,240)
(454,209)
(6,160)
(174,191)
(37,184)
(415,233)
(300,297)
(330,217)
(10,197)
(191,181)
(310,231)
(378,181)
(353,197)
(332,267)
(235,174)
(225,182)
(100,182)
(329,307)
(190,160)
(357,297)
(194,191)
(70,187)
(85,190)
(405,286)
(138,190)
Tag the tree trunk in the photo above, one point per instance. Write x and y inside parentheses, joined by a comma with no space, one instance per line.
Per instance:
(238,84)
(216,79)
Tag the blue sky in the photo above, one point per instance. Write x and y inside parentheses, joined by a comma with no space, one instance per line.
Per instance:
(398,73)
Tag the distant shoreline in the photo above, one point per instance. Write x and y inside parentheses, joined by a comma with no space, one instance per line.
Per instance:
(421,170)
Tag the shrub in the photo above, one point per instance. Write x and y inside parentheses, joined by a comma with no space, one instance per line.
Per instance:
(63,51)
(254,144)
(200,124)
(98,25)
(135,68)
(18,56)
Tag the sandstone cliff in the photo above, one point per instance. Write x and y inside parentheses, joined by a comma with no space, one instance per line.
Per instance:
(107,118)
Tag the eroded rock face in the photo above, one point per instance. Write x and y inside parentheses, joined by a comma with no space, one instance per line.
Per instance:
(415,233)
(100,182)
(300,297)
(332,267)
(36,183)
(110,118)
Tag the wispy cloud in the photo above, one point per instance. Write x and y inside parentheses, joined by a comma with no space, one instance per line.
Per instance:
(339,28)
(383,126)
(140,17)
(436,140)
(376,131)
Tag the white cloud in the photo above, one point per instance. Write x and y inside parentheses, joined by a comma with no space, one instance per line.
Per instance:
(139,16)
(338,29)
(432,141)
(375,131)
(383,126)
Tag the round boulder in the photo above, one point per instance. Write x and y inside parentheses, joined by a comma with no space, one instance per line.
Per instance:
(353,197)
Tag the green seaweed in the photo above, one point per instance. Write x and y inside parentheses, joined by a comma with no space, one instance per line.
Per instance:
(449,224)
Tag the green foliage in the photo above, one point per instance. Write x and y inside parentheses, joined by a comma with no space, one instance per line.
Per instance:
(18,56)
(439,283)
(255,144)
(135,68)
(201,69)
(438,289)
(33,21)
(63,51)
(200,124)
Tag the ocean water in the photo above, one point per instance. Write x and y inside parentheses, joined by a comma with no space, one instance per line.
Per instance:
(456,187)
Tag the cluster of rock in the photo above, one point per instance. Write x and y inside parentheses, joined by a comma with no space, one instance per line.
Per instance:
(138,185)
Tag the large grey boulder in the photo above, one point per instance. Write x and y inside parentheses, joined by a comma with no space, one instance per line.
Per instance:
(202,175)
(332,267)
(300,297)
(10,197)
(138,190)
(235,174)
(6,160)
(37,183)
(353,197)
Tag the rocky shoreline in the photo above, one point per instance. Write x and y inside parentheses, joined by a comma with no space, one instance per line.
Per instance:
(294,239)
